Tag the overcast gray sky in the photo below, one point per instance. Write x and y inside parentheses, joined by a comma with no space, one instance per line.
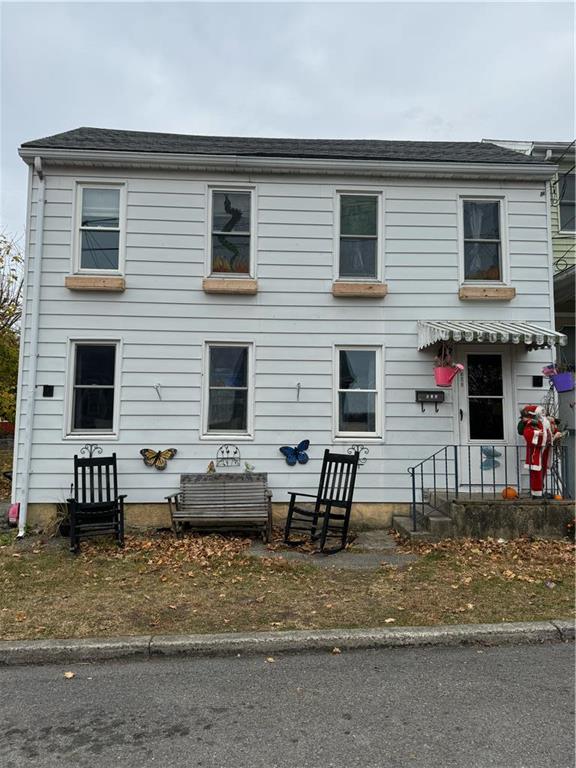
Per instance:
(445,71)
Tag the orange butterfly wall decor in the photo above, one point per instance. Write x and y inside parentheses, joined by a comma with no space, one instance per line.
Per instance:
(157,459)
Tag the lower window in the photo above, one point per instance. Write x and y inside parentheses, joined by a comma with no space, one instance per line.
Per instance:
(93,386)
(228,391)
(358,405)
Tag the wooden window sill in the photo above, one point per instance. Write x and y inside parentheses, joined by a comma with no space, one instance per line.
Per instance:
(242,286)
(366,290)
(94,283)
(486,293)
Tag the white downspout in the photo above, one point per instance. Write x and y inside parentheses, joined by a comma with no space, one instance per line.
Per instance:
(33,355)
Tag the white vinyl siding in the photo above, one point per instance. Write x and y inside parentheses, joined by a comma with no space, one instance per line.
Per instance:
(164,319)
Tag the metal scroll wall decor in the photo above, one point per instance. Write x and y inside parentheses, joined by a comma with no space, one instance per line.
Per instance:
(90,449)
(362,450)
(228,455)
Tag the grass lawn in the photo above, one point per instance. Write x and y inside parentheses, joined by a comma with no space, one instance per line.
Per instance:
(209,584)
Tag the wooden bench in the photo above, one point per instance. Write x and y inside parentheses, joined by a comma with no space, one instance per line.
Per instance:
(233,501)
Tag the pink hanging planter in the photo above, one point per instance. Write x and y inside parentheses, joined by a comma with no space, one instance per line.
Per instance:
(444,375)
(563,382)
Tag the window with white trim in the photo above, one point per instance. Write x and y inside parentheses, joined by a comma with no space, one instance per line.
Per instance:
(99,228)
(358,248)
(358,395)
(567,202)
(231,232)
(228,383)
(482,240)
(93,387)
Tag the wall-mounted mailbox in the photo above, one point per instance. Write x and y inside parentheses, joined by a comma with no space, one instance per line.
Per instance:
(537,381)
(429,396)
(47,390)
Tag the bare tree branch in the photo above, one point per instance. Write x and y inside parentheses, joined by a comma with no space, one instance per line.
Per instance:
(11,280)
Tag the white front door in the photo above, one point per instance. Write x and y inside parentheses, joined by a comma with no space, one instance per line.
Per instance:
(485,414)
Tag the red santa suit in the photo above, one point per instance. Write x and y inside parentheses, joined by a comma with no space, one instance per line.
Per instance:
(539,432)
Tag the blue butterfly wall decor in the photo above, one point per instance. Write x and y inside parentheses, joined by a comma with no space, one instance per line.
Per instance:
(297,454)
(489,457)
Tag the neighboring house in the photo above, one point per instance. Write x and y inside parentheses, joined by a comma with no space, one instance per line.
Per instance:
(193,291)
(562,222)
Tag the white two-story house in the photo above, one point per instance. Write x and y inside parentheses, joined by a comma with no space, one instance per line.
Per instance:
(190,292)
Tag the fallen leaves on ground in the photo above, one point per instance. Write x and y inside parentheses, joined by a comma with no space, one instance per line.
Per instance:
(69,675)
(525,559)
(277,543)
(164,550)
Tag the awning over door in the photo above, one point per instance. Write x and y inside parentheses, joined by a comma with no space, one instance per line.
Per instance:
(484,331)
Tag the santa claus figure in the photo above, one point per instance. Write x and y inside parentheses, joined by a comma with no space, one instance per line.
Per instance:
(540,433)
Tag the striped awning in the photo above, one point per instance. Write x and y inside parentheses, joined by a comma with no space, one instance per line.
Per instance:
(484,331)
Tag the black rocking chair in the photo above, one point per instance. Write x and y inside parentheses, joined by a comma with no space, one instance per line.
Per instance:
(332,504)
(96,509)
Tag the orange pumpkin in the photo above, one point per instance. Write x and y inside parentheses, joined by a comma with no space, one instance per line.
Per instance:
(509,493)
(558,497)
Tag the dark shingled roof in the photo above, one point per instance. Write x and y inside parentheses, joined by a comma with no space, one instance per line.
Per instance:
(342,149)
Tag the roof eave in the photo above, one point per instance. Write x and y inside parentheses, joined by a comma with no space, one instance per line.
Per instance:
(246,164)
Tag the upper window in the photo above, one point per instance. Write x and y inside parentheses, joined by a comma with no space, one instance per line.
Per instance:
(482,241)
(358,392)
(231,232)
(358,250)
(99,228)
(567,202)
(92,391)
(228,393)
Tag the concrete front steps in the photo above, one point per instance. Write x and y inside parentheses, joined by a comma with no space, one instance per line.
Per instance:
(434,527)
(478,517)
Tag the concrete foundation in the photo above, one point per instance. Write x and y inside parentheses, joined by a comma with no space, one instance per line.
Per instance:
(510,519)
(145,516)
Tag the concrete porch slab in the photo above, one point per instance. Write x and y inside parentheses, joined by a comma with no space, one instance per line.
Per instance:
(370,551)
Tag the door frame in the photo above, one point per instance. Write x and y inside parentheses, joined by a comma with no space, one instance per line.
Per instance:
(461,432)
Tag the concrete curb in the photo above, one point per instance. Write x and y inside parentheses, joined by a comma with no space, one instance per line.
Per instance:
(198,646)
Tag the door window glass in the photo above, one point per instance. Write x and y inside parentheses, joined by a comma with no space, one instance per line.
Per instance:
(485,397)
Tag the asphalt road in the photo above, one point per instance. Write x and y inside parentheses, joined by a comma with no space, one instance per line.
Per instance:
(510,707)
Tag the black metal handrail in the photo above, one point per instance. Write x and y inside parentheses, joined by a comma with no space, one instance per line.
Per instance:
(418,471)
(478,472)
